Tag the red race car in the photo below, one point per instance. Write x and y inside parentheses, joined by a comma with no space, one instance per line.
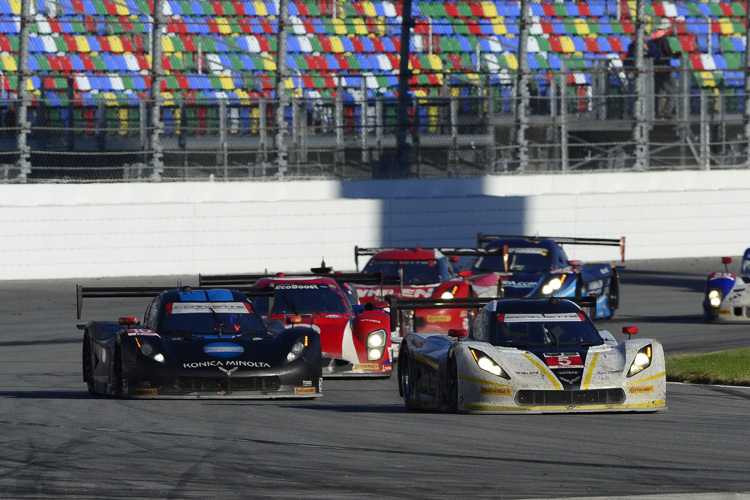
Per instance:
(422,273)
(354,338)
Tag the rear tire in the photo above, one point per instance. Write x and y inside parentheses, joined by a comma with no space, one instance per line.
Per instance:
(88,365)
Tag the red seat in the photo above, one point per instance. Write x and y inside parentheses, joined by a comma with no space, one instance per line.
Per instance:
(591,44)
(239,8)
(696,61)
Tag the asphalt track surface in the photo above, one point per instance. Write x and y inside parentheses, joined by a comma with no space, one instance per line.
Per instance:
(358,440)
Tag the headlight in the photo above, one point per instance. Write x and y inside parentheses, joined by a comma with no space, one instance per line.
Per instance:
(149,351)
(552,285)
(714,297)
(447,295)
(488,364)
(297,349)
(641,362)
(376,344)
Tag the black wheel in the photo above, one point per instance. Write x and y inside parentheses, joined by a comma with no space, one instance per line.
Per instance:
(614,294)
(88,365)
(405,378)
(451,384)
(116,374)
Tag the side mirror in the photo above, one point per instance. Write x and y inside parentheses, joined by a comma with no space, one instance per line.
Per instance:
(575,263)
(629,330)
(726,260)
(465,273)
(458,332)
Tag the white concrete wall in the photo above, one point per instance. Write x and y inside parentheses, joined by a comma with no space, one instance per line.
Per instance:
(142,229)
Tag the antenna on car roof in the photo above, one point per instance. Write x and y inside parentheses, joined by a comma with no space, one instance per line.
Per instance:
(323,269)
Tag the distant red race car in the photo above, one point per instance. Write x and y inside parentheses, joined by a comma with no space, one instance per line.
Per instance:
(422,273)
(355,338)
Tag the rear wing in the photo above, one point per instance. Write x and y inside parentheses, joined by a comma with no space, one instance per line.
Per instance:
(248,280)
(373,250)
(109,292)
(397,304)
(618,242)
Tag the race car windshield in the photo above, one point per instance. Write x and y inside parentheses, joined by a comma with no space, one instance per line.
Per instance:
(294,298)
(529,260)
(745,269)
(225,318)
(416,272)
(550,330)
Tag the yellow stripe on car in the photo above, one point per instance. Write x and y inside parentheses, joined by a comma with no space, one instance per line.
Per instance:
(590,372)
(653,377)
(545,371)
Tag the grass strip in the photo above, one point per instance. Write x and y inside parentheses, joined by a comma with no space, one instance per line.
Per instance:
(721,368)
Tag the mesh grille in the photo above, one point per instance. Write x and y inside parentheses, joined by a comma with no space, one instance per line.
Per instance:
(570,398)
(200,384)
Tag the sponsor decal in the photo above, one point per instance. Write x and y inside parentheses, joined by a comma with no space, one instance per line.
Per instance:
(141,331)
(496,391)
(228,372)
(367,366)
(307,383)
(642,389)
(519,284)
(563,360)
(370,320)
(569,380)
(538,318)
(304,390)
(411,293)
(223,349)
(238,363)
(527,373)
(205,307)
(296,286)
(441,318)
(529,250)
(143,391)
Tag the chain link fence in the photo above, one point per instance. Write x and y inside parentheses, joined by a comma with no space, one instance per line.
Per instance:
(468,132)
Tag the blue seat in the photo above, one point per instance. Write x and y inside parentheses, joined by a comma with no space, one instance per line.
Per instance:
(75,61)
(558,26)
(197,8)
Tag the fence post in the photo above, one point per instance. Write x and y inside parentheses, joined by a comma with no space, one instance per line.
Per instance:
(564,156)
(223,137)
(640,131)
(156,78)
(24,127)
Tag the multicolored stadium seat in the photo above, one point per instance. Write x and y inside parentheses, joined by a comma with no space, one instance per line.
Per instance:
(99,50)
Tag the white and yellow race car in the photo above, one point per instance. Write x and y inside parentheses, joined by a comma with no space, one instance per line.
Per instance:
(529,356)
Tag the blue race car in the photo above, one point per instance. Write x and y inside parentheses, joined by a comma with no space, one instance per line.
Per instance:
(535,266)
(727,296)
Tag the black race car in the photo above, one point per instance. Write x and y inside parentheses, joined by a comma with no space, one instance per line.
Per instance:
(197,343)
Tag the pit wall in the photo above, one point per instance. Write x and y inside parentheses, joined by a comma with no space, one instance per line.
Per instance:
(61,231)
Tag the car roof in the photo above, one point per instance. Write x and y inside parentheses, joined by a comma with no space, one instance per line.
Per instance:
(537,306)
(408,254)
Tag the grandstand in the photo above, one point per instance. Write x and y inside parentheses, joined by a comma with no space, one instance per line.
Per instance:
(91,71)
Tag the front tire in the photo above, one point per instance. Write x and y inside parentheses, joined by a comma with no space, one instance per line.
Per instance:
(88,364)
(451,384)
(405,378)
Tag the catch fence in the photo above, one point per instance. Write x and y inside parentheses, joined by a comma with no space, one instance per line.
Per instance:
(572,122)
